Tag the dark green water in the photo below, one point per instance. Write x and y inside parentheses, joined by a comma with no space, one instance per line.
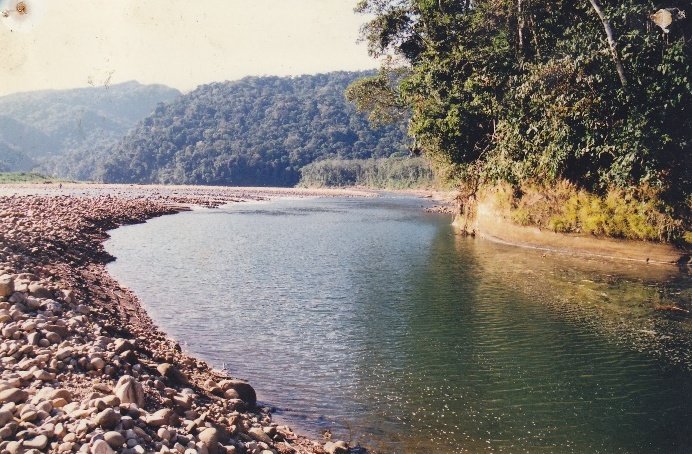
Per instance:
(369,317)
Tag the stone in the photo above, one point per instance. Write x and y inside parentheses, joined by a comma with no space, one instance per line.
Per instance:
(5,417)
(336,447)
(39,442)
(97,363)
(61,394)
(122,345)
(53,337)
(63,353)
(65,447)
(172,373)
(209,437)
(107,419)
(43,375)
(33,338)
(129,390)
(39,291)
(258,434)
(13,395)
(6,286)
(101,447)
(160,418)
(164,434)
(114,439)
(184,402)
(244,390)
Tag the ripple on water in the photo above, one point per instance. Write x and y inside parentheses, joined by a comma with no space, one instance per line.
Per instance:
(370,318)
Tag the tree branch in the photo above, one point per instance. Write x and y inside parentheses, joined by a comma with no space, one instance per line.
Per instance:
(611,42)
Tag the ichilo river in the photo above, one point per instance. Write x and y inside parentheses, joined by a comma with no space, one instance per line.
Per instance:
(371,318)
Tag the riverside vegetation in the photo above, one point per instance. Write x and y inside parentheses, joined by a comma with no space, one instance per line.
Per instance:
(386,173)
(587,103)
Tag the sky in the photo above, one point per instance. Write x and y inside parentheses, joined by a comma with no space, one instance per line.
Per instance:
(76,43)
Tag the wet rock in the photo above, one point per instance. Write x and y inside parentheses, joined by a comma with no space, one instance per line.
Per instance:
(129,390)
(244,390)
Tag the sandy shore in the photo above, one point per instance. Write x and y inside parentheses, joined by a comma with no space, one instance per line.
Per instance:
(84,368)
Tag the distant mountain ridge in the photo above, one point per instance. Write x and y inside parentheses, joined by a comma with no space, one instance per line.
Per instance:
(255,131)
(65,132)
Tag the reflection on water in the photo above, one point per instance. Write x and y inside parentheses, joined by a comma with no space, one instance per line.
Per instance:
(371,318)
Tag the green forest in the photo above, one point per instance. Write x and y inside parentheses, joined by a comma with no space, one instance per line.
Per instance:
(384,173)
(67,132)
(255,131)
(593,96)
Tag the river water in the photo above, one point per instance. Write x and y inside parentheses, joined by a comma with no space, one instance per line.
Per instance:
(370,318)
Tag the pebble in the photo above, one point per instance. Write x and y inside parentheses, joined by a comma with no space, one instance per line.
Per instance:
(101,447)
(114,439)
(107,419)
(54,335)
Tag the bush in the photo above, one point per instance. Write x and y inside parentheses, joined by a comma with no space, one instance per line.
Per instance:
(637,213)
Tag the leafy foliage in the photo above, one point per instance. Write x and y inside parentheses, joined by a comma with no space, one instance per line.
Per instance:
(528,90)
(385,173)
(256,131)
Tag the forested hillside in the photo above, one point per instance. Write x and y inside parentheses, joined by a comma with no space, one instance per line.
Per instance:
(255,131)
(65,132)
(593,93)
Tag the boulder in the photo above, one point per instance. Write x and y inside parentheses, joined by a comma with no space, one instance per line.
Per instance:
(244,390)
(129,391)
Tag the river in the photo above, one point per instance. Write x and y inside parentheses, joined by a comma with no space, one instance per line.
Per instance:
(370,318)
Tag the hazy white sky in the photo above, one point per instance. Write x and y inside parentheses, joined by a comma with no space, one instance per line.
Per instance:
(178,43)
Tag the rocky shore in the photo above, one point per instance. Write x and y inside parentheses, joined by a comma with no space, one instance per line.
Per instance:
(83,368)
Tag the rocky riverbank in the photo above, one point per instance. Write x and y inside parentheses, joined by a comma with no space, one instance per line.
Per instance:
(83,368)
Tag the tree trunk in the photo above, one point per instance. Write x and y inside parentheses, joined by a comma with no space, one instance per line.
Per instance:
(611,42)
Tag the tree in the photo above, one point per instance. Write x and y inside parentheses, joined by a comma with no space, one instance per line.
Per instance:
(518,90)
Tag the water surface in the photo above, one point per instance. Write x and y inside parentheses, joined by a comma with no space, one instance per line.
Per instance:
(370,318)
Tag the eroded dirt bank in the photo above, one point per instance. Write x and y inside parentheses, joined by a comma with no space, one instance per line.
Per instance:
(83,367)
